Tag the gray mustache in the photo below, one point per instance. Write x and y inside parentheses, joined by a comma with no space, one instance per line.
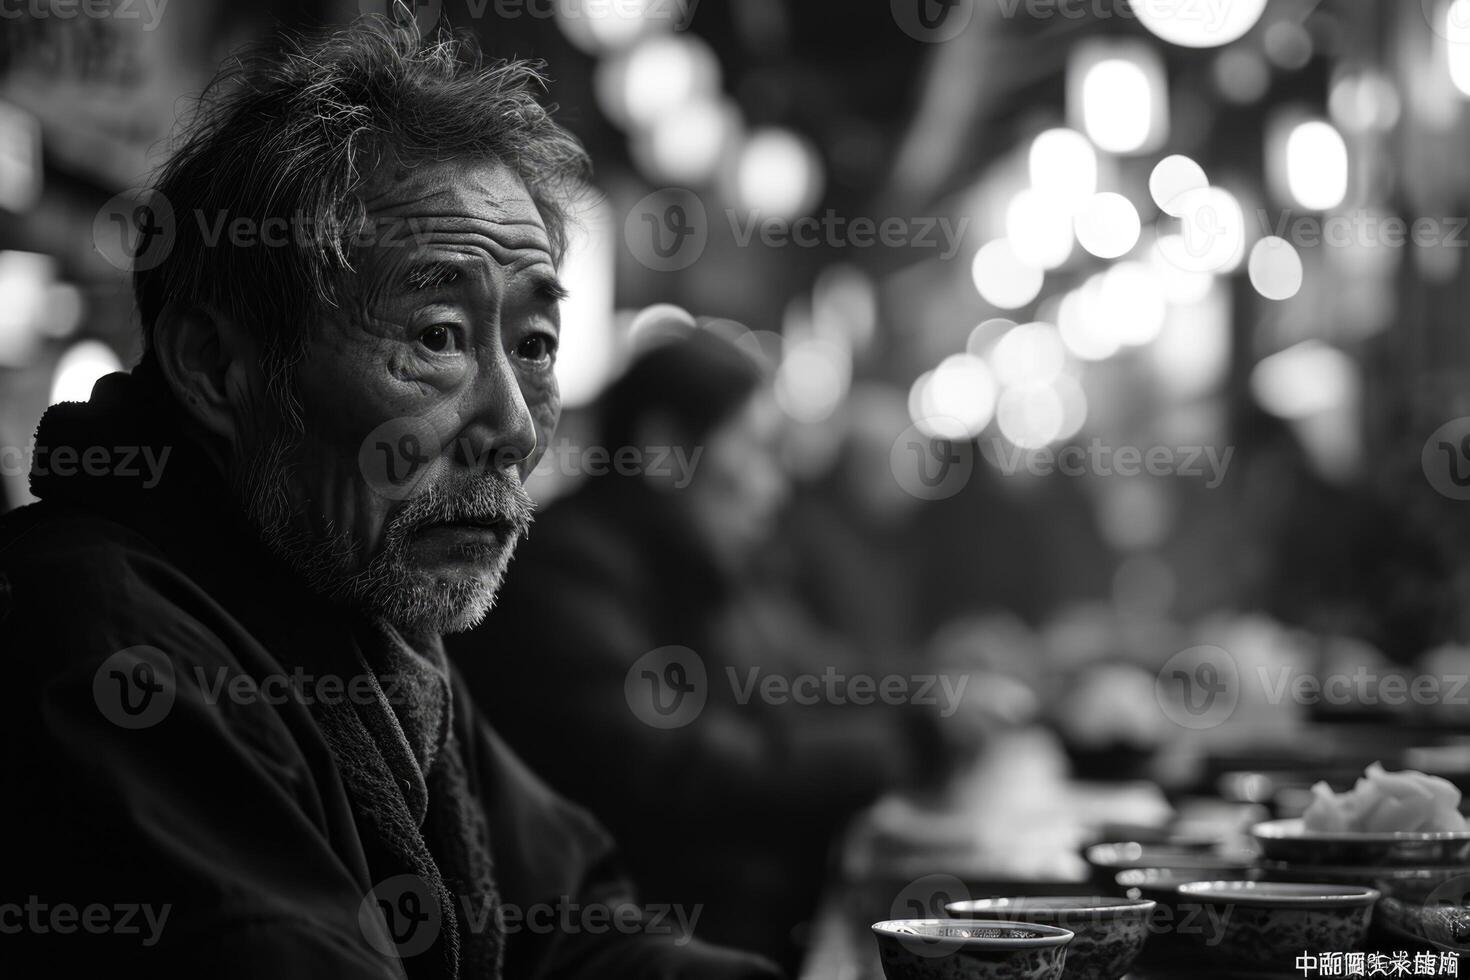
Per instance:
(488,498)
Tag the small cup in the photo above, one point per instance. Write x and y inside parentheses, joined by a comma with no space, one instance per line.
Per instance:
(1110,932)
(970,949)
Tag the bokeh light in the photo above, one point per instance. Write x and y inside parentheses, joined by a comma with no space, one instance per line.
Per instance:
(1108,225)
(1317,165)
(1305,380)
(1191,24)
(1063,166)
(1030,354)
(654,77)
(779,174)
(1172,178)
(1276,268)
(79,369)
(1002,279)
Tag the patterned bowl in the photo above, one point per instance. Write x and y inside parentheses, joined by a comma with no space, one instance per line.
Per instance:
(1175,919)
(1110,932)
(1267,924)
(1106,860)
(1290,842)
(1407,884)
(970,949)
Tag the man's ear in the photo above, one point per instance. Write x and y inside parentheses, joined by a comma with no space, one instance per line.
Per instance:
(210,363)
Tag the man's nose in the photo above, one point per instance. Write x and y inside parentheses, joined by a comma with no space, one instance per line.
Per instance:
(501,434)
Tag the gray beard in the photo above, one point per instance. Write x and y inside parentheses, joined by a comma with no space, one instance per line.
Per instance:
(389,586)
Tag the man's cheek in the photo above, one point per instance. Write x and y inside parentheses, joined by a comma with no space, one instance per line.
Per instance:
(545,406)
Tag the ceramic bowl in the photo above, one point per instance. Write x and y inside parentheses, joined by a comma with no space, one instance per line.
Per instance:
(1106,860)
(1288,841)
(1268,924)
(970,949)
(1109,932)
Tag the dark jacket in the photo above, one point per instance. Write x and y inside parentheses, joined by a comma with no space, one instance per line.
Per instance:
(229,812)
(735,807)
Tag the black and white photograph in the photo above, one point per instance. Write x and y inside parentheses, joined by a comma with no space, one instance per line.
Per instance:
(734,489)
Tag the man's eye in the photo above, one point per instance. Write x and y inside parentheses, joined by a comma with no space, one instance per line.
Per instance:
(438,338)
(536,347)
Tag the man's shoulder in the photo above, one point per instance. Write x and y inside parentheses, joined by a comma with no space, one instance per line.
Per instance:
(75,584)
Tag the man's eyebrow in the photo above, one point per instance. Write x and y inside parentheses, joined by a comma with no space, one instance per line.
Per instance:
(549,287)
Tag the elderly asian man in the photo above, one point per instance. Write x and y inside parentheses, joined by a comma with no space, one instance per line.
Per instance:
(234,745)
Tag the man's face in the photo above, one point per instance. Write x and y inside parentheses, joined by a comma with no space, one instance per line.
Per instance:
(423,402)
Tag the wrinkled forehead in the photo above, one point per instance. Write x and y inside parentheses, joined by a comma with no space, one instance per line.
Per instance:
(472,207)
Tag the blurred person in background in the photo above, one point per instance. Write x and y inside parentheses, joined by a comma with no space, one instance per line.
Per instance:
(733,807)
(850,534)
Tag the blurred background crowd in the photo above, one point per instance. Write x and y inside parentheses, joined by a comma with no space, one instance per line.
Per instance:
(1043,342)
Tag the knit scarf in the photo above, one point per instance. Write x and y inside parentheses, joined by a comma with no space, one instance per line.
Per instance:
(403,770)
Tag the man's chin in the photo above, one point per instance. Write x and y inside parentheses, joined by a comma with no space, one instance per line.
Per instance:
(446,600)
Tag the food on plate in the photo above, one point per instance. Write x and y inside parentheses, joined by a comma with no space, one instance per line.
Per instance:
(1386,801)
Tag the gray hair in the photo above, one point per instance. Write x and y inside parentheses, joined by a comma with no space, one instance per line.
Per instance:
(292,131)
